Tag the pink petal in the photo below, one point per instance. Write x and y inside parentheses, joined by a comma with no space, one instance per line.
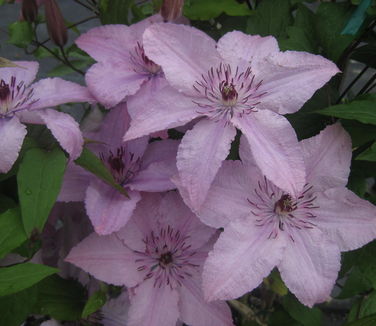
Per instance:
(110,82)
(195,310)
(107,259)
(153,306)
(65,129)
(26,72)
(12,134)
(168,109)
(115,311)
(139,28)
(245,152)
(200,156)
(107,208)
(175,213)
(291,78)
(242,257)
(184,53)
(75,182)
(237,45)
(310,266)
(347,220)
(55,91)
(327,158)
(158,166)
(275,148)
(227,197)
(109,42)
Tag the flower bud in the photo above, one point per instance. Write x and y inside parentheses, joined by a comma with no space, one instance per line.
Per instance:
(55,23)
(171,9)
(29,10)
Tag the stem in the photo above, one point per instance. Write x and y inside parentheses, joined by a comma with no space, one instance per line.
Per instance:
(68,63)
(87,6)
(368,84)
(371,88)
(352,84)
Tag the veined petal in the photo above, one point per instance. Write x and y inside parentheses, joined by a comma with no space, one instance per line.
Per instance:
(310,265)
(184,53)
(159,151)
(227,198)
(26,72)
(107,208)
(168,109)
(200,156)
(107,259)
(327,158)
(290,78)
(237,45)
(12,134)
(242,257)
(153,306)
(346,219)
(110,82)
(109,42)
(194,310)
(275,148)
(65,129)
(75,182)
(245,152)
(50,92)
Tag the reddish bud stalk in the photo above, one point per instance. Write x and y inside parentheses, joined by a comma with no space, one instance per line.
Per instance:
(172,9)
(55,23)
(29,10)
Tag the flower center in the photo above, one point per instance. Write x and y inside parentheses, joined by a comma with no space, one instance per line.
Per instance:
(14,97)
(223,92)
(168,257)
(143,65)
(277,211)
(284,205)
(123,167)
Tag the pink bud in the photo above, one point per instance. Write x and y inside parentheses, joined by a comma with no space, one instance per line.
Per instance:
(29,10)
(55,23)
(171,9)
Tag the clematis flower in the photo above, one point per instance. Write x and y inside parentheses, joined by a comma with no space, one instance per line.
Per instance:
(242,82)
(122,68)
(266,227)
(21,101)
(159,255)
(135,165)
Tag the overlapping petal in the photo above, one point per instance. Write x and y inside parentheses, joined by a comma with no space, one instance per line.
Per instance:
(275,148)
(200,156)
(25,72)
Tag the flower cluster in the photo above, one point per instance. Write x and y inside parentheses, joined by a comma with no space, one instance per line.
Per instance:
(196,229)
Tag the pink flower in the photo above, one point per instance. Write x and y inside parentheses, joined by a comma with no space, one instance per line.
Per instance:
(122,68)
(267,227)
(19,101)
(159,254)
(242,82)
(135,165)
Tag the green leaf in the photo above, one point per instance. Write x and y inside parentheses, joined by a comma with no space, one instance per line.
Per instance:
(365,259)
(15,308)
(39,179)
(90,162)
(330,20)
(208,9)
(114,11)
(62,70)
(61,299)
(301,313)
(6,203)
(360,133)
(355,283)
(22,276)
(271,18)
(368,306)
(95,302)
(20,33)
(276,284)
(12,233)
(369,154)
(367,321)
(360,110)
